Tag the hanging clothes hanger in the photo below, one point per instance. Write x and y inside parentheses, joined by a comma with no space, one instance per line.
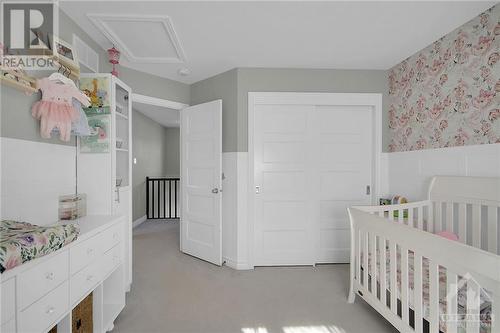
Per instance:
(60,77)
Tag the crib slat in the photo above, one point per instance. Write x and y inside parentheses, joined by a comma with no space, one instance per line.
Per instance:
(462,222)
(420,213)
(401,216)
(473,304)
(411,222)
(393,276)
(492,229)
(418,293)
(404,286)
(449,216)
(433,297)
(391,214)
(430,218)
(438,217)
(476,226)
(383,271)
(358,256)
(451,301)
(365,260)
(373,272)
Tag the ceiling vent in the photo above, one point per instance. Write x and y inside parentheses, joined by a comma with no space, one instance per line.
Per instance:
(141,38)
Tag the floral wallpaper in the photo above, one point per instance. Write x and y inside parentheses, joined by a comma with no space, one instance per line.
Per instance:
(448,94)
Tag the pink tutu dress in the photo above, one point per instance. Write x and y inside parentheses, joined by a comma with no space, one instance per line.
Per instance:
(55,109)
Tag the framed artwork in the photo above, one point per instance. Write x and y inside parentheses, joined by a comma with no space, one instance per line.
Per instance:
(100,135)
(64,52)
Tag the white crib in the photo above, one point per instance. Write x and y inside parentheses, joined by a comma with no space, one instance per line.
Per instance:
(442,285)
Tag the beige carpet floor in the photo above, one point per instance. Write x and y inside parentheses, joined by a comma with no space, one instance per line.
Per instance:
(176,293)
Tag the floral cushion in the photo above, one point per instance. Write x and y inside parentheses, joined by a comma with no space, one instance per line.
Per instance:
(21,242)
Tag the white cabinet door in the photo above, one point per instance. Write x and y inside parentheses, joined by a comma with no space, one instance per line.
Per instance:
(201,180)
(310,164)
(123,206)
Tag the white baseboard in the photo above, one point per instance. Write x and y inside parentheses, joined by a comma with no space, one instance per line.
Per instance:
(241,266)
(139,221)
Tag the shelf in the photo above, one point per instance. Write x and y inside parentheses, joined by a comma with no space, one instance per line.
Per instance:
(17,85)
(121,115)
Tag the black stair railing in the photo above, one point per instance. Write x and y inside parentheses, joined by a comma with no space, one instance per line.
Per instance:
(162,198)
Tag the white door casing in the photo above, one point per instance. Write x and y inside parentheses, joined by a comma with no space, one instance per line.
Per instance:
(201,181)
(311,155)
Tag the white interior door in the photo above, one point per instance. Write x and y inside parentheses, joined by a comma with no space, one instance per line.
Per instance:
(201,180)
(310,164)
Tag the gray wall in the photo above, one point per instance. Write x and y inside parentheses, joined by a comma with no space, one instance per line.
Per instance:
(222,86)
(150,149)
(173,157)
(305,80)
(233,87)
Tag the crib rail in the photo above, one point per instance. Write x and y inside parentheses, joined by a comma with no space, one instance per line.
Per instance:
(426,257)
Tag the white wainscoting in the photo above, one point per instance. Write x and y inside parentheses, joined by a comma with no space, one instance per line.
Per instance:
(409,173)
(33,176)
(234,210)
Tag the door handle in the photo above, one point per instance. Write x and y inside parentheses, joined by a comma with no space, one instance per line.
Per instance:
(257,189)
(215,190)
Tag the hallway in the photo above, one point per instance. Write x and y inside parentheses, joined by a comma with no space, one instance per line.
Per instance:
(175,293)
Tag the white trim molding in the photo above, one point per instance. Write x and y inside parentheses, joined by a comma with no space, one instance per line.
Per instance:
(372,100)
(139,221)
(164,103)
(101,22)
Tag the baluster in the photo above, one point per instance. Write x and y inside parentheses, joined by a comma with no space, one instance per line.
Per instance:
(430,217)
(401,216)
(358,255)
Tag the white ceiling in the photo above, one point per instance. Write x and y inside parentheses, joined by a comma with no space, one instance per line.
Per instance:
(218,36)
(163,116)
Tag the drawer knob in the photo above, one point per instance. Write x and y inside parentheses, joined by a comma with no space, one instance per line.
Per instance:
(50,310)
(50,276)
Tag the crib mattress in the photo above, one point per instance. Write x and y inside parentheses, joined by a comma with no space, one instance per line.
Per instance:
(485,307)
(21,242)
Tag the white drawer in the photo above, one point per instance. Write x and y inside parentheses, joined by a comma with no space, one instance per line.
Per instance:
(8,301)
(39,280)
(84,281)
(84,253)
(110,261)
(9,327)
(111,236)
(43,314)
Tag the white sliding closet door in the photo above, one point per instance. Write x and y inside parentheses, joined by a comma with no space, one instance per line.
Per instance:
(310,164)
(284,234)
(344,168)
(201,181)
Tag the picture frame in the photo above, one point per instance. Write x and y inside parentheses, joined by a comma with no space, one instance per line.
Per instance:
(64,53)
